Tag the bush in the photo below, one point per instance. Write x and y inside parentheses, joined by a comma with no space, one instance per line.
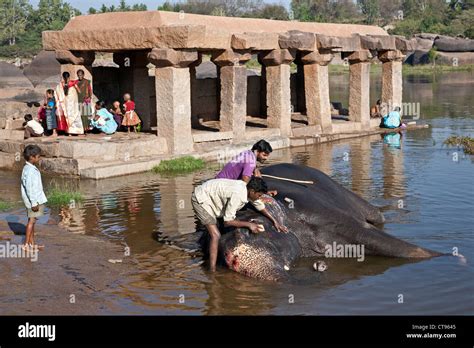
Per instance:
(465,143)
(432,55)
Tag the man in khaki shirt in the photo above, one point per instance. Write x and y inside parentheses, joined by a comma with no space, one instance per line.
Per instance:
(222,198)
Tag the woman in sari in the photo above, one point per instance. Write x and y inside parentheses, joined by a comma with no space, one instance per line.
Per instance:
(68,106)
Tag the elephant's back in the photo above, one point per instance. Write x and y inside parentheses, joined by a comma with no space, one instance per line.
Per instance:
(325,190)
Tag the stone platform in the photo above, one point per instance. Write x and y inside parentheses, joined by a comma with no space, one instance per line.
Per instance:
(98,156)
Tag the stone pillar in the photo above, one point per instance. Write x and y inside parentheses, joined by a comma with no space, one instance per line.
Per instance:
(316,85)
(392,82)
(194,91)
(173,97)
(277,69)
(233,90)
(359,87)
(134,79)
(263,87)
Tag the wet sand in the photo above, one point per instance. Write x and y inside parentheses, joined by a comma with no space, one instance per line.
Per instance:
(70,264)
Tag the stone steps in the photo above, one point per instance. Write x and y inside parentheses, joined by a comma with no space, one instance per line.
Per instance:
(261,133)
(117,168)
(12,134)
(89,149)
(306,131)
(202,136)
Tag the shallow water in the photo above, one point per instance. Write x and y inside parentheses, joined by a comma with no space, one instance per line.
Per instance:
(425,192)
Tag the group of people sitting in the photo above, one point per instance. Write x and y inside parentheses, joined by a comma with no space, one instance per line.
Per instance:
(68,110)
(392,119)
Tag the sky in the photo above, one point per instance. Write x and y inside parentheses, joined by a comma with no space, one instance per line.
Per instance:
(84,5)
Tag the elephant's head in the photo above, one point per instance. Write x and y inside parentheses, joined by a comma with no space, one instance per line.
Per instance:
(265,255)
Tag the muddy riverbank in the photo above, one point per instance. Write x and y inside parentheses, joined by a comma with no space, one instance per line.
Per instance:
(72,275)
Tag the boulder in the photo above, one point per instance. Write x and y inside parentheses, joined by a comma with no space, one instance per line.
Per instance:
(427,36)
(12,77)
(455,58)
(44,66)
(446,44)
(423,44)
(417,57)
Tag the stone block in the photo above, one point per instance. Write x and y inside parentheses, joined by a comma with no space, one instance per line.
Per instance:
(105,151)
(295,39)
(9,161)
(369,43)
(306,131)
(315,57)
(277,57)
(255,41)
(163,57)
(12,134)
(386,42)
(405,45)
(65,166)
(11,146)
(76,57)
(230,57)
(358,56)
(387,56)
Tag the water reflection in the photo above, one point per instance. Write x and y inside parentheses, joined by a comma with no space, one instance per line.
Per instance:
(393,170)
(361,165)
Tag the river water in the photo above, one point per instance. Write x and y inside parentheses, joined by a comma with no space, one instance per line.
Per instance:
(424,189)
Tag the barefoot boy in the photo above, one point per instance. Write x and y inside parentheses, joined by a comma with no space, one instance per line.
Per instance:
(32,192)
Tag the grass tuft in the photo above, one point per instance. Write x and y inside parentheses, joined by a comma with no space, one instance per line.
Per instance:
(465,143)
(59,197)
(179,165)
(4,205)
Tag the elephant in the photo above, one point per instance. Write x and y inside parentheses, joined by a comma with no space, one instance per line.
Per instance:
(323,218)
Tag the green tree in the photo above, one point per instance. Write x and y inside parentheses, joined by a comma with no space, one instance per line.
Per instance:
(272,11)
(52,15)
(370,10)
(166,7)
(92,10)
(139,7)
(218,11)
(13,19)
(389,10)
(301,10)
(338,11)
(123,7)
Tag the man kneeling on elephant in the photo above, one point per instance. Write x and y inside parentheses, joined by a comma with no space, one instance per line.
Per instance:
(222,198)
